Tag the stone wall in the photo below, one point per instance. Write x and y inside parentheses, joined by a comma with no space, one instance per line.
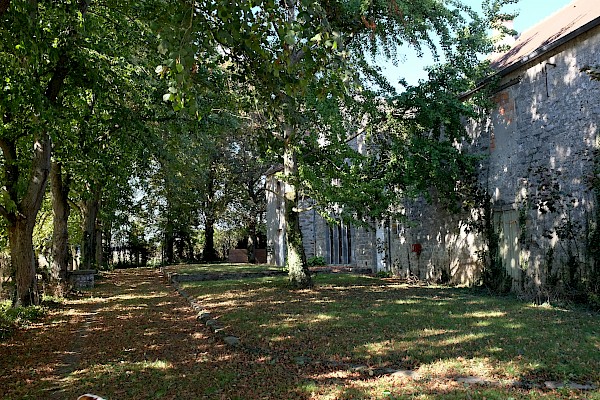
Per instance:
(436,246)
(538,148)
(541,155)
(81,278)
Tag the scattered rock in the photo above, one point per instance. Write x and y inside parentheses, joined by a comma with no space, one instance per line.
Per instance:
(405,373)
(232,341)
(570,385)
(301,360)
(473,380)
(219,330)
(212,323)
(204,316)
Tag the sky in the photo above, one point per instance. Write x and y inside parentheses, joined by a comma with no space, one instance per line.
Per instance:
(530,13)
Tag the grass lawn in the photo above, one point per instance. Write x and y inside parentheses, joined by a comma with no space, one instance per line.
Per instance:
(222,268)
(134,337)
(439,332)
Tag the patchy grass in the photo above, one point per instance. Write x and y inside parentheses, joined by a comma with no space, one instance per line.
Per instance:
(219,268)
(133,337)
(439,332)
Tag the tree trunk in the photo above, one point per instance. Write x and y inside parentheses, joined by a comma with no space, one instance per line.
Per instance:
(299,275)
(4,4)
(60,235)
(190,246)
(21,223)
(108,240)
(99,244)
(23,261)
(90,214)
(209,254)
(252,241)
(169,247)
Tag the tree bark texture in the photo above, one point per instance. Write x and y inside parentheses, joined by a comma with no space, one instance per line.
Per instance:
(169,244)
(299,275)
(99,244)
(209,254)
(23,260)
(60,185)
(90,214)
(21,223)
(252,241)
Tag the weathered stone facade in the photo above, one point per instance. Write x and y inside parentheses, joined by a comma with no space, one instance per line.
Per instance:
(539,151)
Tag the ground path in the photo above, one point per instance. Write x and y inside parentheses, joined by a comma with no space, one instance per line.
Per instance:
(132,337)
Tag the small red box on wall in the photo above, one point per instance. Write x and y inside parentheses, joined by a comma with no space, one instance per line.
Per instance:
(417,248)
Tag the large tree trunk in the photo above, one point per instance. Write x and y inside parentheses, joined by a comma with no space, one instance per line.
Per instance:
(21,223)
(299,275)
(23,260)
(60,235)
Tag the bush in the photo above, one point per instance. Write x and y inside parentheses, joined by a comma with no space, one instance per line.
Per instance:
(12,318)
(383,274)
(316,262)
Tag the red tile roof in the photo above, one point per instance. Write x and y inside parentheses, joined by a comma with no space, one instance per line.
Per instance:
(551,30)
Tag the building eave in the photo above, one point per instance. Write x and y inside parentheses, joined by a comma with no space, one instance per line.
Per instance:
(533,56)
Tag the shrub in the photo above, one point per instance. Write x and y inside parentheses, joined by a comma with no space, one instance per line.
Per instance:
(14,317)
(383,274)
(316,262)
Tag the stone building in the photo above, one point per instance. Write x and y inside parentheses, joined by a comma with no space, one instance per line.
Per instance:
(539,152)
(540,159)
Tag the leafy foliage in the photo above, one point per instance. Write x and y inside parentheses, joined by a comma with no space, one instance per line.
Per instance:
(12,318)
(316,262)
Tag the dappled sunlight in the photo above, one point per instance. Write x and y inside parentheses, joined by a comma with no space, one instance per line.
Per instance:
(406,301)
(281,338)
(130,347)
(427,333)
(137,296)
(484,314)
(453,367)
(319,318)
(461,339)
(514,325)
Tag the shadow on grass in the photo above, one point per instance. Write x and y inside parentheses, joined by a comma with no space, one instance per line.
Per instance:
(134,338)
(439,331)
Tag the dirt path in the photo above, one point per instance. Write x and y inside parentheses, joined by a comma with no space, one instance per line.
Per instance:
(131,337)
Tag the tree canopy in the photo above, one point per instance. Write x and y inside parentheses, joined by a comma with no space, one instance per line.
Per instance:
(246,83)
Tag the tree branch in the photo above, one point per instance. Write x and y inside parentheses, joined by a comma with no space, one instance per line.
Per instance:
(74,205)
